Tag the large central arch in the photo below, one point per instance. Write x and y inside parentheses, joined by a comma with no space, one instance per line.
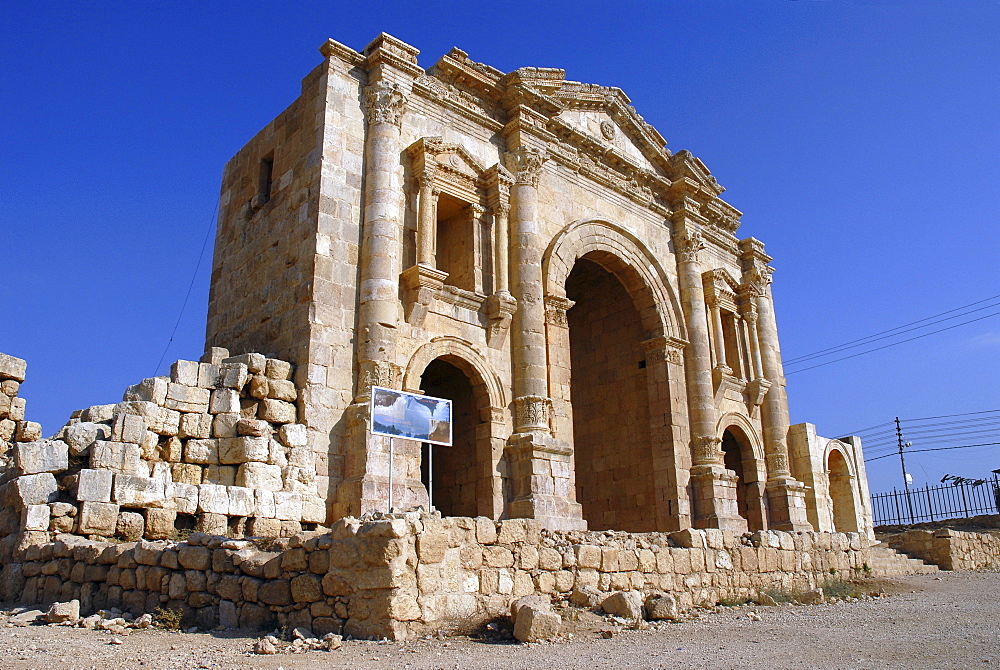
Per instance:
(630,450)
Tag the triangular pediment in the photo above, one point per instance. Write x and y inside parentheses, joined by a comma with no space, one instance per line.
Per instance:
(434,153)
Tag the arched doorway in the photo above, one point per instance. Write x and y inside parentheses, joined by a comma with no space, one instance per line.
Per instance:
(451,474)
(738,456)
(845,518)
(610,398)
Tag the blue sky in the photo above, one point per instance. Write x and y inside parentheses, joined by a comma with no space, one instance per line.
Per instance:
(860,139)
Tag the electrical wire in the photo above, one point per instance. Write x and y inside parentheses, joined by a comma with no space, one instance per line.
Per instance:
(917,451)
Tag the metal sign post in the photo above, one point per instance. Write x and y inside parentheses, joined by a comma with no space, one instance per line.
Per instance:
(410,416)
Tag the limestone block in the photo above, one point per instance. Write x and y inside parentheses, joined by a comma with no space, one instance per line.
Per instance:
(80,436)
(277,454)
(255,362)
(171,450)
(276,411)
(313,509)
(241,501)
(94,485)
(224,425)
(257,475)
(118,456)
(151,389)
(486,530)
(98,413)
(7,428)
(261,527)
(263,504)
(35,517)
(184,372)
(586,596)
(224,400)
(27,431)
(184,497)
(220,474)
(208,374)
(662,607)
(16,411)
(130,526)
(588,556)
(128,428)
(4,405)
(213,524)
(141,408)
(35,489)
(186,473)
(248,408)
(97,518)
(233,450)
(293,435)
(12,368)
(281,390)
(233,375)
(302,457)
(160,523)
(41,456)
(191,557)
(195,425)
(535,623)
(213,499)
(202,452)
(278,369)
(10,387)
(161,471)
(137,491)
(626,604)
(258,386)
(253,428)
(287,506)
(187,398)
(306,588)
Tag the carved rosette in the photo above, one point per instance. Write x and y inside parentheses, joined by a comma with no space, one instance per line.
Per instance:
(687,244)
(384,103)
(706,450)
(525,164)
(531,413)
(555,310)
(376,373)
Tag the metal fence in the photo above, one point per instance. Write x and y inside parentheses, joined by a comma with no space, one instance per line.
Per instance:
(934,503)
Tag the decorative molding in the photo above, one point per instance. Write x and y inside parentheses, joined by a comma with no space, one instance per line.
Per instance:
(525,163)
(706,450)
(500,308)
(385,103)
(531,413)
(376,373)
(422,283)
(756,281)
(687,244)
(555,310)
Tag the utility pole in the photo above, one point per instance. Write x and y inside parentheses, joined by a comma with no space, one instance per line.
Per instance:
(902,462)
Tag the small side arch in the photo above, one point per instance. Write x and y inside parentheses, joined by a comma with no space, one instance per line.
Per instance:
(462,355)
(743,453)
(844,496)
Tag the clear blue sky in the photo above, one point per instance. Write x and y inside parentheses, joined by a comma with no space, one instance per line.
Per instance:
(860,139)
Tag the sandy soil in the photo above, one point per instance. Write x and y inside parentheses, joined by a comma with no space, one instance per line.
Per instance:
(949,620)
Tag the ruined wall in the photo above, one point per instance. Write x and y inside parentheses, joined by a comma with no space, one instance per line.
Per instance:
(950,549)
(214,447)
(409,574)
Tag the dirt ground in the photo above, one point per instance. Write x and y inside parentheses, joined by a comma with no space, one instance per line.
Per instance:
(949,620)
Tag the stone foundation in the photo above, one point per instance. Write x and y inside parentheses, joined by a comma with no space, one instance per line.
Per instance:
(950,549)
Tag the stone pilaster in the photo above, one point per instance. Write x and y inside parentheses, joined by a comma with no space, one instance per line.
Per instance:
(501,305)
(785,495)
(541,465)
(714,487)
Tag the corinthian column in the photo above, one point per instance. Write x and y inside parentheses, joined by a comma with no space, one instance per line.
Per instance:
(541,466)
(786,496)
(714,498)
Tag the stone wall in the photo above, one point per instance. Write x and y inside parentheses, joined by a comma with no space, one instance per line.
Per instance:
(411,573)
(214,447)
(950,549)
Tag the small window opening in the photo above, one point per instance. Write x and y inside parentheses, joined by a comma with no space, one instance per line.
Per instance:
(264,183)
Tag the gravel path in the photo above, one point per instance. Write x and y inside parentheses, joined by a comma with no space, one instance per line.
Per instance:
(949,620)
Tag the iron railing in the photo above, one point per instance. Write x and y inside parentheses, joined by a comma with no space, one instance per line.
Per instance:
(934,503)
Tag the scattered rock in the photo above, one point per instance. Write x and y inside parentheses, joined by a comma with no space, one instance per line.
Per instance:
(534,624)
(626,604)
(813,597)
(265,646)
(26,618)
(662,607)
(585,596)
(766,600)
(64,612)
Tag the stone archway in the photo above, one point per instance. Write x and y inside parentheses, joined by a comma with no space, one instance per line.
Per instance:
(844,511)
(740,456)
(471,477)
(622,412)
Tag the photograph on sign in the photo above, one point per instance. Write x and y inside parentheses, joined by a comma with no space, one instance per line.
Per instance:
(410,416)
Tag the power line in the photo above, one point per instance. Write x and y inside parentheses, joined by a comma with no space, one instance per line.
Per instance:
(915,451)
(948,416)
(875,337)
(872,338)
(886,346)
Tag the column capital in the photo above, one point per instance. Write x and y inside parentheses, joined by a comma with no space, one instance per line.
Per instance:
(555,310)
(385,103)
(525,163)
(531,413)
(501,209)
(756,281)
(476,210)
(688,243)
(706,450)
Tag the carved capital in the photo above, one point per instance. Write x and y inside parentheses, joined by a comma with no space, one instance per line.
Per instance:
(706,450)
(777,464)
(687,243)
(426,177)
(384,103)
(525,164)
(476,211)
(531,413)
(555,310)
(501,210)
(756,280)
(376,373)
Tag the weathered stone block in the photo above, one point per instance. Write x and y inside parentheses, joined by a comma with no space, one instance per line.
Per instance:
(184,372)
(36,489)
(202,451)
(253,427)
(128,428)
(224,400)
(35,517)
(213,499)
(41,456)
(259,476)
(186,473)
(80,436)
(119,456)
(184,497)
(662,607)
(233,375)
(287,506)
(195,425)
(293,435)
(313,509)
(137,491)
(12,368)
(94,485)
(193,557)
(281,390)
(255,362)
(224,425)
(276,411)
(626,604)
(233,450)
(98,413)
(187,398)
(130,526)
(241,501)
(278,369)
(260,527)
(97,518)
(220,474)
(27,431)
(152,389)
(263,503)
(160,523)
(306,589)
